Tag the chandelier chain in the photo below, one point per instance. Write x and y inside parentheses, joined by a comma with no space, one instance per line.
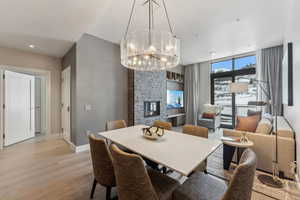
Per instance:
(167,15)
(130,18)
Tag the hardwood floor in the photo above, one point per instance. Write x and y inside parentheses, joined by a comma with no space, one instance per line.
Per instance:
(46,168)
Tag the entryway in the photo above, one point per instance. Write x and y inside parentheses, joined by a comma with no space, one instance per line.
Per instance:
(24,105)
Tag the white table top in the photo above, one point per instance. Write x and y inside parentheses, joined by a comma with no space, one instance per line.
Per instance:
(180,152)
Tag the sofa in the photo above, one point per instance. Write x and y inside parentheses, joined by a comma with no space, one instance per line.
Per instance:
(264,147)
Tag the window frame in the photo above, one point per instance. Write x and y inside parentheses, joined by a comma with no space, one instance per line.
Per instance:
(232,74)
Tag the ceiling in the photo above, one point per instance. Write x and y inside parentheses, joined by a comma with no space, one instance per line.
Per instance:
(51,25)
(224,27)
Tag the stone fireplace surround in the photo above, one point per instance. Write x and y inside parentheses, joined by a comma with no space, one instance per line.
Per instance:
(146,86)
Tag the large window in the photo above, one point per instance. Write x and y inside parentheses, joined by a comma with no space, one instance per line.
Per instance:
(240,69)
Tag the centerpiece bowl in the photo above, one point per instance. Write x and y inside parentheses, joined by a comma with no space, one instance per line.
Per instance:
(153,132)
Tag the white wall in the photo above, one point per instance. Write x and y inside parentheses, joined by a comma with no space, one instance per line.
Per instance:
(292,113)
(17,58)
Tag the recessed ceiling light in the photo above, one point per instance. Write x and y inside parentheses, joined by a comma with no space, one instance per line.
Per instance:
(32,46)
(212,53)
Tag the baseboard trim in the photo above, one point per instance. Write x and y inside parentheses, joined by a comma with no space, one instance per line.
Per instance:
(297,179)
(82,148)
(78,149)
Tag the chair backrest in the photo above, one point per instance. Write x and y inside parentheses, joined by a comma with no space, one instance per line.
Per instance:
(240,187)
(195,130)
(116,124)
(164,125)
(132,178)
(102,162)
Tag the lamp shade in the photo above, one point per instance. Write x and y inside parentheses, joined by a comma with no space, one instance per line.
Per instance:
(238,87)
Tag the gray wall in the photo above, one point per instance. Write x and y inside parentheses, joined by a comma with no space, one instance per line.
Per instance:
(70,60)
(101,82)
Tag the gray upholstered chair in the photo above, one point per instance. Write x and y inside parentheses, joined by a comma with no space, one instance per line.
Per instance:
(102,165)
(135,182)
(164,125)
(199,132)
(202,186)
(116,124)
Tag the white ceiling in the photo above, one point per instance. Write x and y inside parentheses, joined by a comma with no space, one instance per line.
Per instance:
(202,25)
(51,25)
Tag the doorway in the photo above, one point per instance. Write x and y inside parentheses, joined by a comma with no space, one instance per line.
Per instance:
(18,107)
(224,72)
(23,98)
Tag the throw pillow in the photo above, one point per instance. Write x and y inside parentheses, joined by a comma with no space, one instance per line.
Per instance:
(264,127)
(248,124)
(268,116)
(208,115)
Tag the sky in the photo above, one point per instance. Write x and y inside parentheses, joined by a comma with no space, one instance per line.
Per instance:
(239,63)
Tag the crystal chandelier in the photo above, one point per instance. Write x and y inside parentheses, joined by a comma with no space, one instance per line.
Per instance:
(150,50)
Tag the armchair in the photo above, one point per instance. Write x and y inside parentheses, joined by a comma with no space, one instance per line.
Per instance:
(212,122)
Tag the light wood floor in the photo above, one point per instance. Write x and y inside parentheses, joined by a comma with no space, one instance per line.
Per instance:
(45,168)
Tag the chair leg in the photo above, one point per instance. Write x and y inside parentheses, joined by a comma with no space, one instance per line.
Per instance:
(93,189)
(108,191)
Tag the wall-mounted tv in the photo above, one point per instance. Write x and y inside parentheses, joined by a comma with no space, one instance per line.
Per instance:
(174,99)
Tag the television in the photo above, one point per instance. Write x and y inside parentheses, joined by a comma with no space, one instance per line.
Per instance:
(174,99)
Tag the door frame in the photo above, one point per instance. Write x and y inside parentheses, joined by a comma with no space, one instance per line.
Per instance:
(32,71)
(66,70)
(230,74)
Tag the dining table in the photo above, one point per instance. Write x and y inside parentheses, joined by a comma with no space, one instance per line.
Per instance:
(177,151)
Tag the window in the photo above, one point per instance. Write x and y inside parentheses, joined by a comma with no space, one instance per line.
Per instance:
(245,62)
(222,74)
(223,66)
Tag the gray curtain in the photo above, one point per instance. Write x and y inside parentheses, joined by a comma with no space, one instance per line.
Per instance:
(196,89)
(271,72)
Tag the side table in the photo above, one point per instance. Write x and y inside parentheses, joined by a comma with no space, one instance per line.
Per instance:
(229,149)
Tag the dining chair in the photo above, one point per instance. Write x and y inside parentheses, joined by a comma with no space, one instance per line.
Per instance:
(202,186)
(102,165)
(154,165)
(164,125)
(115,124)
(134,182)
(199,132)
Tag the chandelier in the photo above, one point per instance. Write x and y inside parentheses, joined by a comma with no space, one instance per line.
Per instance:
(150,49)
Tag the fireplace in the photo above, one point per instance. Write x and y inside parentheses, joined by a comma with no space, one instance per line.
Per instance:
(151,108)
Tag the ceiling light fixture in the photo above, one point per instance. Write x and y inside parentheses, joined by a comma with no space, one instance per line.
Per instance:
(32,46)
(161,49)
(212,53)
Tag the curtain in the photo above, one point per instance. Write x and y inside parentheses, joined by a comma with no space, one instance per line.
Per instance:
(271,72)
(196,89)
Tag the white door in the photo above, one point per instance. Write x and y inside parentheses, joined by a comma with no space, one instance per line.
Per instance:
(66,103)
(19,107)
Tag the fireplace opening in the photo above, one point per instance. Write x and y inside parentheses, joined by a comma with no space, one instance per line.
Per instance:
(151,108)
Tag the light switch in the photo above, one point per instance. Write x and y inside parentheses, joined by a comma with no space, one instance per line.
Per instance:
(88,107)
